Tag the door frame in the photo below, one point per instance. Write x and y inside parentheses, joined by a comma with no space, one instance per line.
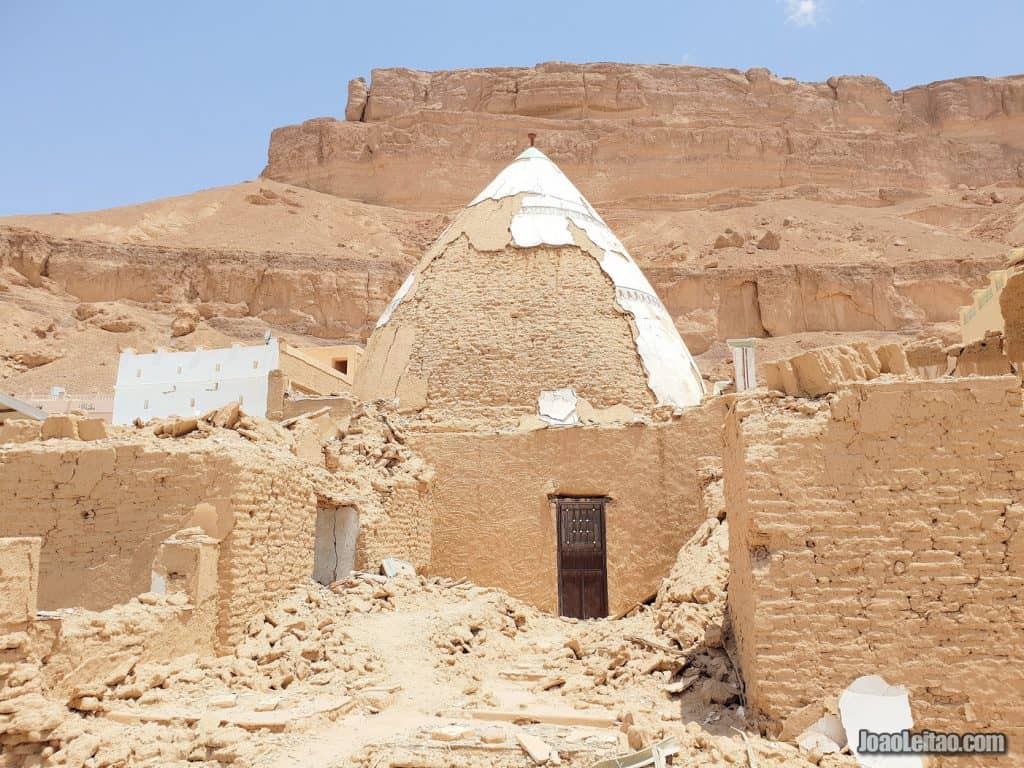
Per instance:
(605,502)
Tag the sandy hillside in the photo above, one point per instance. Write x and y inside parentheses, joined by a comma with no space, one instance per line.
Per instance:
(259,215)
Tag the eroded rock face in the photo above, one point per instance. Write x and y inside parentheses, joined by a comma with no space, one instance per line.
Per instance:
(430,139)
(343,297)
(332,298)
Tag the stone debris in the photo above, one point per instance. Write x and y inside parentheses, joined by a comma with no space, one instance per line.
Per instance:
(826,369)
(585,692)
(185,320)
(538,751)
(107,316)
(770,241)
(690,607)
(728,239)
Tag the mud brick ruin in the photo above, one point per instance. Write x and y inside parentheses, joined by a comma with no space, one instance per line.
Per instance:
(524,524)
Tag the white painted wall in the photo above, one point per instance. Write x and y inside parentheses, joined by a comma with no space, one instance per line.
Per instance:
(165,383)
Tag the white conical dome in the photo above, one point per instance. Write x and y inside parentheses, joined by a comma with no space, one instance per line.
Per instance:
(531,207)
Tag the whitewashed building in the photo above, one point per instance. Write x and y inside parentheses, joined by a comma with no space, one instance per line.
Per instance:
(166,383)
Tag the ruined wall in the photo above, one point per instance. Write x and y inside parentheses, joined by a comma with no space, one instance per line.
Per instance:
(53,663)
(404,530)
(103,509)
(879,531)
(494,521)
(270,548)
(475,335)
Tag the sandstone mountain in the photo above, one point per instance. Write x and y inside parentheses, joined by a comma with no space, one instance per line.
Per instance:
(647,133)
(802,213)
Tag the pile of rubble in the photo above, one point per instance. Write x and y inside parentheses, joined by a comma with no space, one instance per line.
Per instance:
(586,691)
(228,418)
(373,450)
(29,721)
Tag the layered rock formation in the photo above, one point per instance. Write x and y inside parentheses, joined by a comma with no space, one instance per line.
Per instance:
(429,139)
(304,292)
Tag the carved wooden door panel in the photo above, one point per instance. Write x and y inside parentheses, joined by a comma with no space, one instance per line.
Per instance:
(582,560)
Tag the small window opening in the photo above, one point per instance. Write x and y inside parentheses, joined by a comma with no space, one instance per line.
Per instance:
(192,402)
(217,368)
(145,405)
(341,365)
(255,364)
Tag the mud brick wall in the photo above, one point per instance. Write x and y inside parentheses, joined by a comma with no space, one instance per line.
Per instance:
(270,548)
(494,520)
(475,363)
(402,528)
(103,508)
(880,531)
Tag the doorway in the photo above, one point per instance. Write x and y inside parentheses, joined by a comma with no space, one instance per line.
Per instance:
(334,554)
(582,558)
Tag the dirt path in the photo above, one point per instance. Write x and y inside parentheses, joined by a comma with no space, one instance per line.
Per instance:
(404,641)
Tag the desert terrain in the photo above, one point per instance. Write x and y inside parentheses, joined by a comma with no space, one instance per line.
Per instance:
(804,215)
(884,209)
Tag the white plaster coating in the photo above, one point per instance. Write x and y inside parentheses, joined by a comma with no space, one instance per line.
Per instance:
(393,304)
(558,407)
(871,704)
(531,172)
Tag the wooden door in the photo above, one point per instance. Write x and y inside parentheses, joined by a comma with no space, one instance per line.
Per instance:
(582,561)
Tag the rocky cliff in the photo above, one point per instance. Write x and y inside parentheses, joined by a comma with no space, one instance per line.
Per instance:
(433,139)
(300,292)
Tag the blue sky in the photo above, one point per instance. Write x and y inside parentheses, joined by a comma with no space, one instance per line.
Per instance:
(111,103)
